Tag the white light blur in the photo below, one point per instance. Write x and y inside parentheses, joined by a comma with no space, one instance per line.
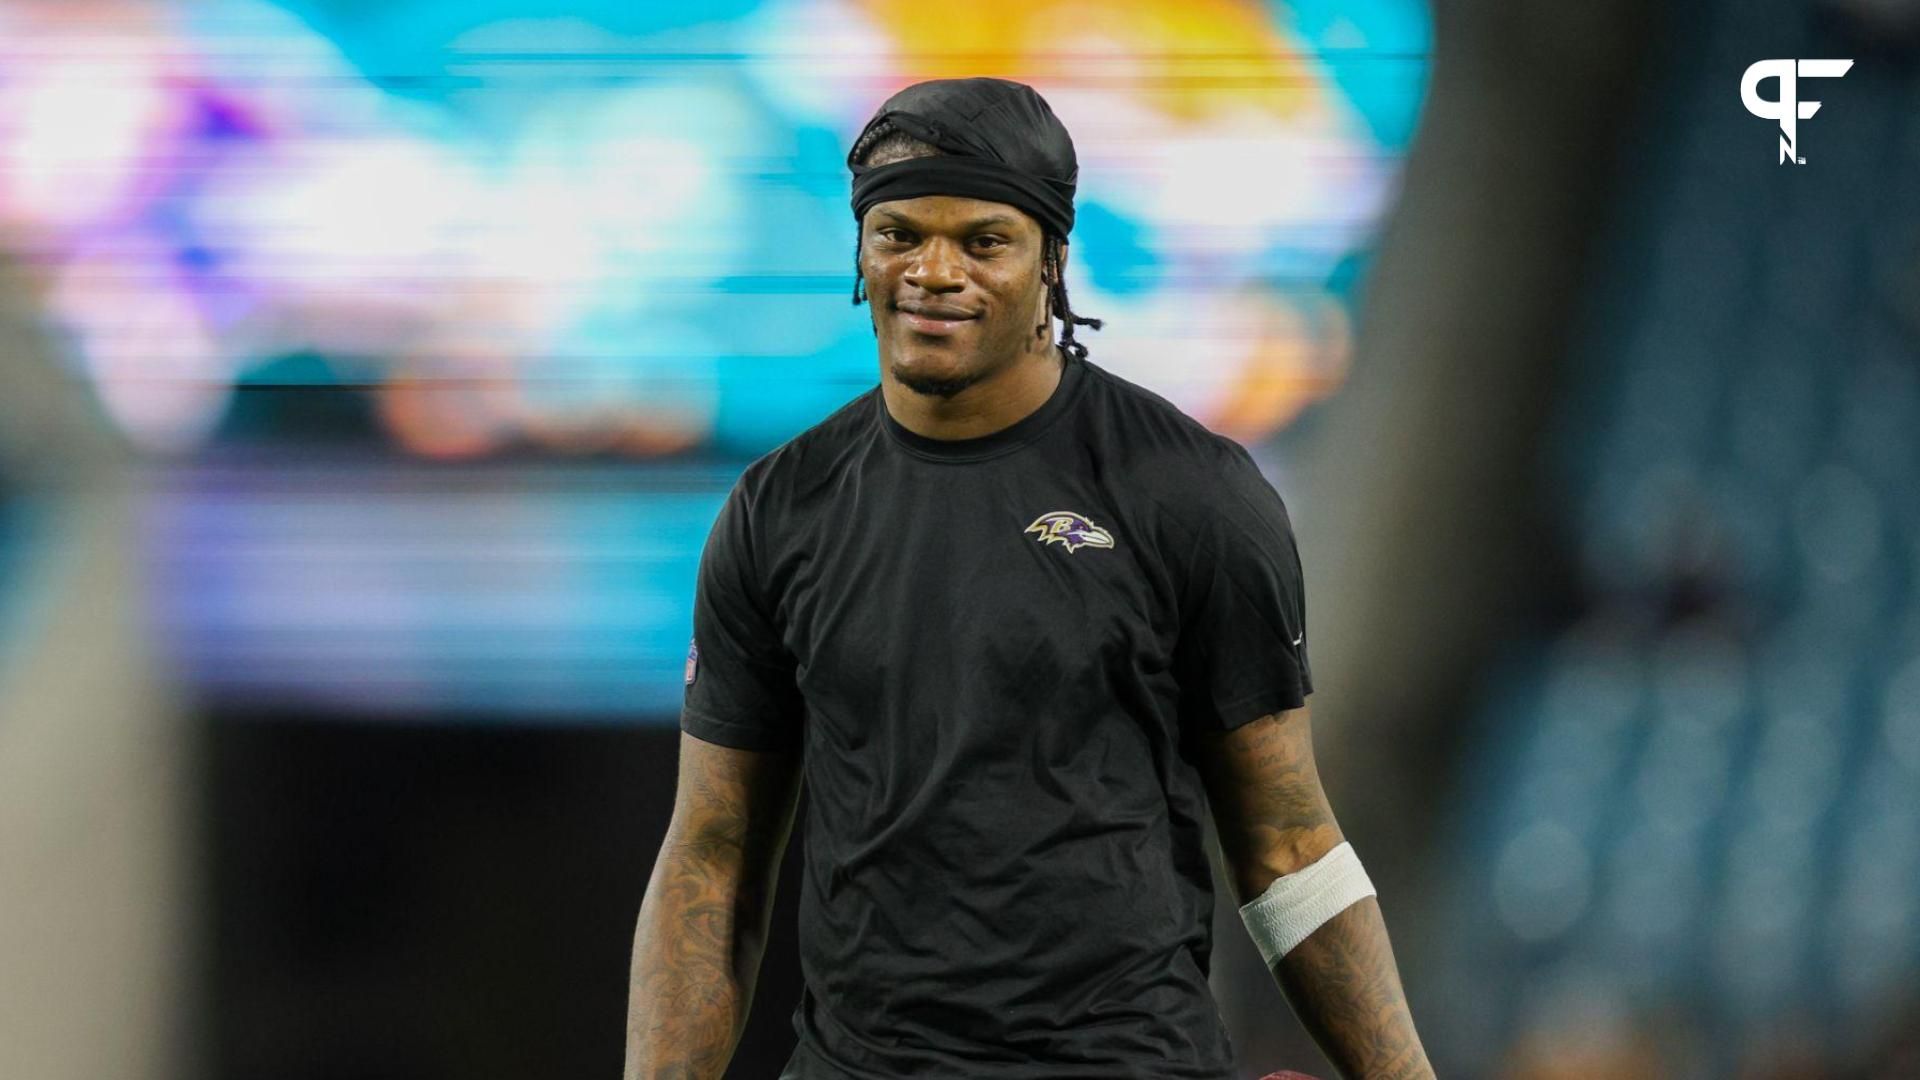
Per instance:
(825,61)
(154,364)
(75,135)
(379,215)
(347,220)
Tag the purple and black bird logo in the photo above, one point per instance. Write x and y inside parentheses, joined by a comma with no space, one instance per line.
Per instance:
(1069,528)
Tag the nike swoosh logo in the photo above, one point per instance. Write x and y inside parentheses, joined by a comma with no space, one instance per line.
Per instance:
(1301,638)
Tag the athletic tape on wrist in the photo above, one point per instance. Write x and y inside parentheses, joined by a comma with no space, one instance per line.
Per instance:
(1299,903)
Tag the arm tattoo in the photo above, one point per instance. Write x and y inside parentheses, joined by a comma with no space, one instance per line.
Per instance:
(1273,818)
(703,924)
(1271,814)
(1343,984)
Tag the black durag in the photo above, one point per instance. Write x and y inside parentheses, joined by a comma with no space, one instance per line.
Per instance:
(1000,142)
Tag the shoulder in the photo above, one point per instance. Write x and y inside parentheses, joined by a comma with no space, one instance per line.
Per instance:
(1166,455)
(1204,494)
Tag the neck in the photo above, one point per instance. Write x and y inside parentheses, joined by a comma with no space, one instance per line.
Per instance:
(997,401)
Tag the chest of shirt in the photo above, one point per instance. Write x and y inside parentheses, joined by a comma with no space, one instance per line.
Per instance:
(909,578)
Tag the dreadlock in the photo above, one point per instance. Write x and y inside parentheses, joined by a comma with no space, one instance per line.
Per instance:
(886,144)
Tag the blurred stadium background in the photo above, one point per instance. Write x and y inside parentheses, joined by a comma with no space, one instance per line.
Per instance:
(370,374)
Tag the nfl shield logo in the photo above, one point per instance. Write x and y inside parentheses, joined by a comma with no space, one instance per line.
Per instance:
(693,659)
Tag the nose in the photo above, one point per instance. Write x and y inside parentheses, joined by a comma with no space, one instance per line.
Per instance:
(936,267)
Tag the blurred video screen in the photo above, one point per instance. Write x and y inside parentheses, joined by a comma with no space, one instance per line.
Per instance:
(444,327)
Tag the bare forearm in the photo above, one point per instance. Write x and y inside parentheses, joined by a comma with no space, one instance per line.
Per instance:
(1344,986)
(695,956)
(703,924)
(1274,821)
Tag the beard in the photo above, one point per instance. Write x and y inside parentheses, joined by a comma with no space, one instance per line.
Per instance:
(934,385)
(1004,349)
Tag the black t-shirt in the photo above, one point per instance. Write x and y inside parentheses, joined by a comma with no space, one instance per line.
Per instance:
(990,650)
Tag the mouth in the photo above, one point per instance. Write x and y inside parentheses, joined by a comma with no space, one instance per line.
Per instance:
(936,319)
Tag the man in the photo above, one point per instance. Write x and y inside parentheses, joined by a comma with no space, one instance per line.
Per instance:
(1019,623)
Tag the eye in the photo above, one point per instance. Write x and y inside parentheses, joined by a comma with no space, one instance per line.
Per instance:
(894,234)
(988,242)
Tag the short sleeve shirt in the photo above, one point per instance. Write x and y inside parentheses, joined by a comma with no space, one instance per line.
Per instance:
(994,654)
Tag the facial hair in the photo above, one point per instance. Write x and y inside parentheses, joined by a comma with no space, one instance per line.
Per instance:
(946,387)
(933,386)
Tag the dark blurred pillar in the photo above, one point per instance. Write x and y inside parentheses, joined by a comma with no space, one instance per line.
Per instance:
(1418,526)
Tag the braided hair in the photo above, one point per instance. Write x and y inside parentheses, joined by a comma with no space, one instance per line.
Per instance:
(886,144)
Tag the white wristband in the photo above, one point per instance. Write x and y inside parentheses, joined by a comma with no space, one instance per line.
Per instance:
(1297,904)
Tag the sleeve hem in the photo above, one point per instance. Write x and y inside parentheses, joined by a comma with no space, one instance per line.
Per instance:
(1245,710)
(732,734)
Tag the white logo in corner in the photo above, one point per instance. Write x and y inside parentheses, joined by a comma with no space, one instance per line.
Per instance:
(1788,109)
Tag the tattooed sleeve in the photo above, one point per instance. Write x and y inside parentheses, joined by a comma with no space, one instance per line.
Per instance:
(1273,818)
(704,921)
